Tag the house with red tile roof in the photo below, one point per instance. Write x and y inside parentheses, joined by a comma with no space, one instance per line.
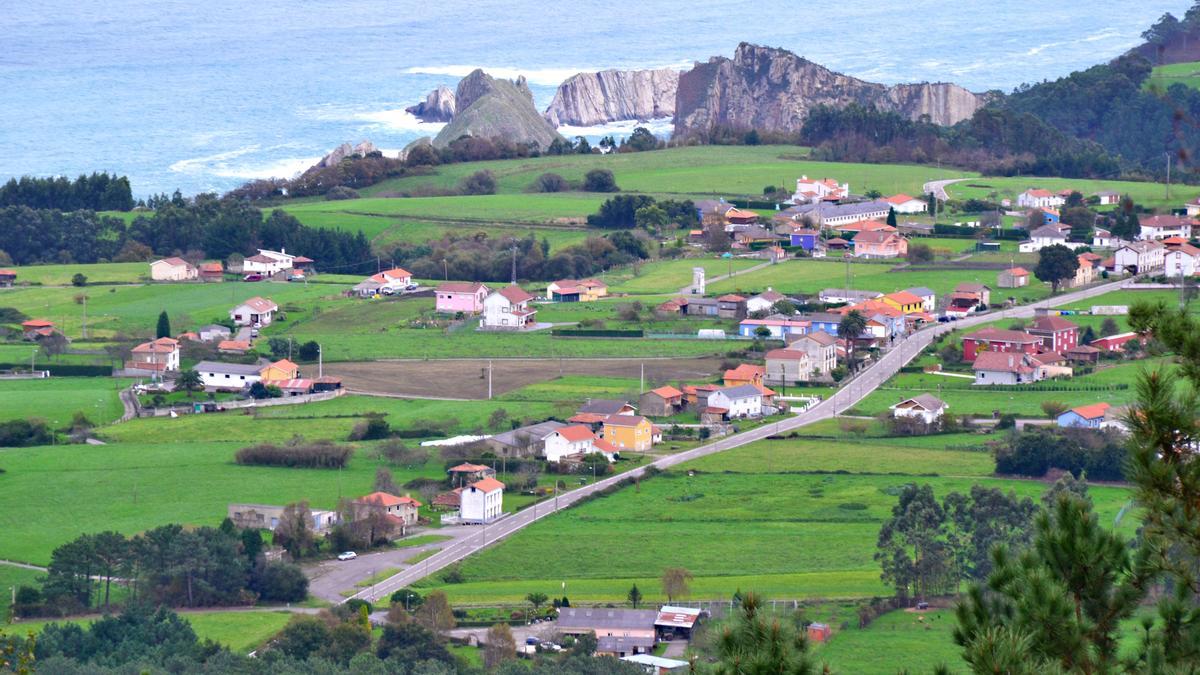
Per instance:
(1114,343)
(788,366)
(1057,334)
(1085,416)
(508,309)
(387,282)
(7,278)
(1014,277)
(401,512)
(256,312)
(234,346)
(1005,368)
(998,340)
(173,269)
(903,203)
(745,373)
(879,244)
(212,271)
(159,356)
(573,290)
(576,439)
(35,329)
(661,402)
(1165,226)
(467,297)
(482,501)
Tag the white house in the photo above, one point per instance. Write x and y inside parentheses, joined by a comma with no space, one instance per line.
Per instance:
(173,269)
(927,296)
(1046,235)
(1181,261)
(576,439)
(925,407)
(821,348)
(902,203)
(1037,198)
(1140,256)
(233,376)
(1005,368)
(255,311)
(764,301)
(847,295)
(508,309)
(810,191)
(157,355)
(1162,227)
(787,366)
(1107,197)
(1193,208)
(482,501)
(1102,238)
(267,262)
(740,401)
(385,282)
(214,332)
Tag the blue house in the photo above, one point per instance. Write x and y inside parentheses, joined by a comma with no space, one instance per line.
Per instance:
(1051,216)
(1085,416)
(823,322)
(805,239)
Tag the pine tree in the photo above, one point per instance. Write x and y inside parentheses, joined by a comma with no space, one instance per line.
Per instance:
(164,326)
(891,217)
(754,644)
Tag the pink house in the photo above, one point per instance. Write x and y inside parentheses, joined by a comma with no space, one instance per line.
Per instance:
(461,296)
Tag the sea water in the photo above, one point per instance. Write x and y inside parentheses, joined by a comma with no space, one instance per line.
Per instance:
(202,96)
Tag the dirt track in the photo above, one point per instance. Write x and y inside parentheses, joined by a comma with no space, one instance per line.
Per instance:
(465,378)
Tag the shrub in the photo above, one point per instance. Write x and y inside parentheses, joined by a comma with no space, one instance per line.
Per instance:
(296,453)
(20,433)
(551,182)
(600,180)
(373,428)
(341,192)
(280,582)
(479,183)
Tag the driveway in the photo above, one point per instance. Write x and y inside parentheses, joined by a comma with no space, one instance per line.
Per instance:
(938,187)
(858,388)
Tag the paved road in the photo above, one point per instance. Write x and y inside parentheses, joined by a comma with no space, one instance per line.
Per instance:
(865,382)
(938,187)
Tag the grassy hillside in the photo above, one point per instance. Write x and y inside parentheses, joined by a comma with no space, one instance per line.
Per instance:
(1152,195)
(1163,77)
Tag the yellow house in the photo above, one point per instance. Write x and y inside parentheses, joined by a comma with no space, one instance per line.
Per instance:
(280,370)
(905,302)
(629,432)
(571,290)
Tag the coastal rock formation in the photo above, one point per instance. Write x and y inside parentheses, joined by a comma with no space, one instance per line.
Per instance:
(586,99)
(773,90)
(343,151)
(488,107)
(438,106)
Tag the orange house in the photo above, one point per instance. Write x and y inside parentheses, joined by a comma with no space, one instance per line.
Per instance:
(629,432)
(280,370)
(744,374)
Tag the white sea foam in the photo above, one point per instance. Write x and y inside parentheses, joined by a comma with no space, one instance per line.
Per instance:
(549,77)
(399,119)
(221,164)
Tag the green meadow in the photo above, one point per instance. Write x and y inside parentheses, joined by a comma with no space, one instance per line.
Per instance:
(240,631)
(1163,77)
(57,399)
(1152,195)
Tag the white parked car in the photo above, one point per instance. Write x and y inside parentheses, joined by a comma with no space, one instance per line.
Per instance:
(348,555)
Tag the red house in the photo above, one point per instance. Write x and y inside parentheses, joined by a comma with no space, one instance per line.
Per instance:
(998,340)
(1114,343)
(1057,334)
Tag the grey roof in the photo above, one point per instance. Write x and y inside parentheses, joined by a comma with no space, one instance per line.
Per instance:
(826,317)
(920,291)
(214,328)
(820,337)
(928,402)
(849,293)
(603,406)
(827,210)
(231,368)
(704,302)
(620,643)
(741,391)
(712,205)
(1048,231)
(522,436)
(586,617)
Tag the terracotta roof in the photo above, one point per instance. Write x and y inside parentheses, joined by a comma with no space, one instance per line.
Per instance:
(451,498)
(604,446)
(1083,349)
(385,499)
(211,267)
(234,346)
(467,467)
(716,410)
(587,418)
(460,287)
(744,371)
(730,297)
(8,273)
(284,364)
(260,258)
(164,345)
(1007,362)
(515,294)
(787,354)
(1052,323)
(1165,221)
(899,199)
(37,323)
(1039,192)
(1002,335)
(302,259)
(904,298)
(874,237)
(1091,412)
(260,305)
(667,392)
(298,383)
(820,337)
(488,485)
(575,433)
(1018,272)
(387,275)
(740,213)
(173,261)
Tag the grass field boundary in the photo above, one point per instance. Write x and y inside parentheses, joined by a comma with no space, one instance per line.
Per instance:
(580,227)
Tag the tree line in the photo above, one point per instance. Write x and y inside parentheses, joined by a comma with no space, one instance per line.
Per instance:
(97,192)
(203,227)
(167,565)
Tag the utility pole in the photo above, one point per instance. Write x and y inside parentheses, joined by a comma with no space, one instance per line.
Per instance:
(514,264)
(489,379)
(320,362)
(642,380)
(85,316)
(1168,175)
(445,270)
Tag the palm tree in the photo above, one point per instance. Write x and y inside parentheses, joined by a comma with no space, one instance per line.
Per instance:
(850,328)
(189,381)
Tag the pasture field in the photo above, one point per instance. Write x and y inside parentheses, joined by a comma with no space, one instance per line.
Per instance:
(807,276)
(896,642)
(537,208)
(99,273)
(695,171)
(240,631)
(57,399)
(668,276)
(1162,77)
(14,576)
(803,531)
(1144,194)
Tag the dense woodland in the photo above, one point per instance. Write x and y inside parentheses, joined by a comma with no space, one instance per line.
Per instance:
(97,192)
(203,227)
